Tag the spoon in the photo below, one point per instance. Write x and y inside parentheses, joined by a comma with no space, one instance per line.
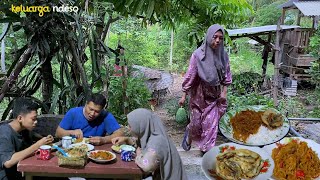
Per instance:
(61,150)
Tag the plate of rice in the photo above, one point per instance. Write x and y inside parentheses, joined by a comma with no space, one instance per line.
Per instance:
(254,125)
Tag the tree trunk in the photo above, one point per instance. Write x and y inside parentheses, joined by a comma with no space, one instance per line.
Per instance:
(265,54)
(104,32)
(171,49)
(79,67)
(24,58)
(47,80)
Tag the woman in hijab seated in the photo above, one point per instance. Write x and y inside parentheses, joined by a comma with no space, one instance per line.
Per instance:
(206,83)
(156,154)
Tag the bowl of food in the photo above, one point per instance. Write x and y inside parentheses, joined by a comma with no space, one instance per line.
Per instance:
(116,148)
(234,161)
(101,156)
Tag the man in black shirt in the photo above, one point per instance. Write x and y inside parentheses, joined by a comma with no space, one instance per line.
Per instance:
(14,145)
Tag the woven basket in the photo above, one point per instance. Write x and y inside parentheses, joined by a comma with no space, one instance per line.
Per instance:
(76,162)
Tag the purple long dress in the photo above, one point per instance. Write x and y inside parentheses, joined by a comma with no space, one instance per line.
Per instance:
(205,105)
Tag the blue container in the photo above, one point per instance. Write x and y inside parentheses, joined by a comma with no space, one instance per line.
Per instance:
(127,155)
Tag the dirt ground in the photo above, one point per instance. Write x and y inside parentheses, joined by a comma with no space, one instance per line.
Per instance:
(174,130)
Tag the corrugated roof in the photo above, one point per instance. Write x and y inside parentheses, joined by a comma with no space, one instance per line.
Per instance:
(287,4)
(260,29)
(290,3)
(308,8)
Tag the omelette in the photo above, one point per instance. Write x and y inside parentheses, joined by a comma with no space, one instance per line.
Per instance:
(238,164)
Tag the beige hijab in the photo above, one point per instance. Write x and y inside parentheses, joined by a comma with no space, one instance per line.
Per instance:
(212,63)
(152,134)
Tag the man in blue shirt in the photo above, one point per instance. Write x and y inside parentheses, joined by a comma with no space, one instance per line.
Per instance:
(90,121)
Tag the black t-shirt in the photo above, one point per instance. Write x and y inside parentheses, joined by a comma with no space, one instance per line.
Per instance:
(11,142)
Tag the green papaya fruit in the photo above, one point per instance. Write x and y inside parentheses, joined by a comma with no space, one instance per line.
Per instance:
(181,116)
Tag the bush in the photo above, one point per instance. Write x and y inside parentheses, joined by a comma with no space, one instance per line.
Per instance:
(137,93)
(235,102)
(245,83)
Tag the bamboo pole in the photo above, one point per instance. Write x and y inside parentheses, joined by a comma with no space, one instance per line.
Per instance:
(276,66)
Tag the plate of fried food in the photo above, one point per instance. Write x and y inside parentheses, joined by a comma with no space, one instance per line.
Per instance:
(81,140)
(101,156)
(295,158)
(232,161)
(254,125)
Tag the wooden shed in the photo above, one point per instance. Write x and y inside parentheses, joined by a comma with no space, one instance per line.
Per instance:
(290,48)
(294,56)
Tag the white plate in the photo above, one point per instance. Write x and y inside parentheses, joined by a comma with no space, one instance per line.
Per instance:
(209,159)
(263,137)
(127,148)
(90,147)
(101,160)
(312,144)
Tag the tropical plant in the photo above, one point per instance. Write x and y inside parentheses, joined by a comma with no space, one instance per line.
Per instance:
(64,56)
(56,38)
(197,15)
(268,14)
(315,51)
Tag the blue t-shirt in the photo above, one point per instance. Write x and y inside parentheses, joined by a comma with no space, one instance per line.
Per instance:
(104,124)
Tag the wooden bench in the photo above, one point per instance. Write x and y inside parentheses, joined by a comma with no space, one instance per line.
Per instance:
(47,124)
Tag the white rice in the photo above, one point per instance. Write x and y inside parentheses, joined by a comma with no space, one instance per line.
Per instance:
(266,136)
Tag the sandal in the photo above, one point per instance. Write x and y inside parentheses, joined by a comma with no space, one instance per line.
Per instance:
(202,153)
(185,144)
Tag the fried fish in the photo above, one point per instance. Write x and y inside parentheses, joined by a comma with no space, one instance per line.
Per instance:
(238,164)
(271,119)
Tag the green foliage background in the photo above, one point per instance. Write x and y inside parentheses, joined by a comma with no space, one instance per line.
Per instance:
(149,45)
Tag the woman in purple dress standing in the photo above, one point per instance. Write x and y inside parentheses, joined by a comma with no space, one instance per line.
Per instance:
(206,83)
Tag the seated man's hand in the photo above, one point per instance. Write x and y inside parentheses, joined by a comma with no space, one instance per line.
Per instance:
(119,140)
(97,140)
(44,141)
(77,133)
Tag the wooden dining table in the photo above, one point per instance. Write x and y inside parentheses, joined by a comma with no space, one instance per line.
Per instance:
(117,168)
